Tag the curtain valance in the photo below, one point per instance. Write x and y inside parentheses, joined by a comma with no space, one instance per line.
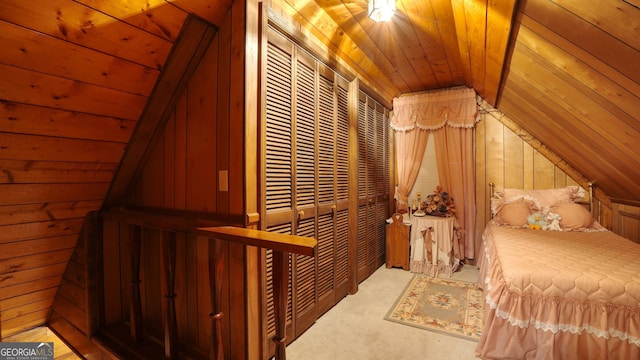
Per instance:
(430,111)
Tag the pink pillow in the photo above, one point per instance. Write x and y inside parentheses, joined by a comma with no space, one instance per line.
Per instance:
(573,216)
(514,213)
(546,197)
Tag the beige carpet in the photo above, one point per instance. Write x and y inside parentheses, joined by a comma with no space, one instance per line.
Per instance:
(447,306)
(356,329)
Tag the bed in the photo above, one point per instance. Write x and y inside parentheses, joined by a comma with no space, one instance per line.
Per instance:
(562,289)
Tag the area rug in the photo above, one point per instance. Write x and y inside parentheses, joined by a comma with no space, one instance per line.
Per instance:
(442,305)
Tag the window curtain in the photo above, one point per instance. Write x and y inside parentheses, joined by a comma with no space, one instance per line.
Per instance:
(451,115)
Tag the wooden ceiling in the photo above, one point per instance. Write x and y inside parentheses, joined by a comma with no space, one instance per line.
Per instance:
(428,44)
(566,71)
(76,75)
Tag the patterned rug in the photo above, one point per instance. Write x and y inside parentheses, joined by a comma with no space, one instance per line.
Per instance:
(443,305)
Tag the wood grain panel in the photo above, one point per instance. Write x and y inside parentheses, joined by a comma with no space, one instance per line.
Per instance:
(498,23)
(20,85)
(26,194)
(32,147)
(474,12)
(28,275)
(582,105)
(36,120)
(15,325)
(594,40)
(47,172)
(34,285)
(27,49)
(189,49)
(223,123)
(445,19)
(34,260)
(558,138)
(610,85)
(15,214)
(26,231)
(29,247)
(153,16)
(201,133)
(84,26)
(214,12)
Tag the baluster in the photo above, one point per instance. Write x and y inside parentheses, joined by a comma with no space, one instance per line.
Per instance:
(169,267)
(216,267)
(135,316)
(280,292)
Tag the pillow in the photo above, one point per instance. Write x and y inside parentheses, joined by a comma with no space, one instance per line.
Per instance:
(544,199)
(514,213)
(573,216)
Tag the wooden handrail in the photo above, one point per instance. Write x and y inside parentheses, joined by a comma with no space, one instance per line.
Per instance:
(269,240)
(225,229)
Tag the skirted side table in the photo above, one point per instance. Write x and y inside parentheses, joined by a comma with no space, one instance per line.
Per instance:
(434,245)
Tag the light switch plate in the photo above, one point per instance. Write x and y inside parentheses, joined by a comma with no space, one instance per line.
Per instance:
(223,180)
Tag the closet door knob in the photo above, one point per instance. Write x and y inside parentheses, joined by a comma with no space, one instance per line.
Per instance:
(300,214)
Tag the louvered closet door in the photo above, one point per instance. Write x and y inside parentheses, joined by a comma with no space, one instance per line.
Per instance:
(373,184)
(382,180)
(305,276)
(372,234)
(326,188)
(306,176)
(363,200)
(341,237)
(278,167)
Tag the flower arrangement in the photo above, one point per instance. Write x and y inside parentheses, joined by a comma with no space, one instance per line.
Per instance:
(439,203)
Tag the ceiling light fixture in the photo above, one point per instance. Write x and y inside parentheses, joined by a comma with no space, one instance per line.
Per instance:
(381,10)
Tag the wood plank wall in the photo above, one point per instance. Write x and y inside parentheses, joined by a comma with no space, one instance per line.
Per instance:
(626,221)
(198,163)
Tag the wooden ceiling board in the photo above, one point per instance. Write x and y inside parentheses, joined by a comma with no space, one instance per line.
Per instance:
(30,50)
(443,17)
(570,151)
(538,114)
(152,16)
(351,18)
(617,18)
(421,19)
(25,213)
(20,118)
(213,11)
(499,20)
(573,97)
(475,19)
(583,34)
(83,26)
(618,90)
(457,7)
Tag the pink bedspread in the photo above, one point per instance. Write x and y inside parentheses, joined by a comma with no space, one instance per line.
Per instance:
(559,295)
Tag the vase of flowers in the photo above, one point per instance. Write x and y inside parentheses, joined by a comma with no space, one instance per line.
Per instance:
(439,203)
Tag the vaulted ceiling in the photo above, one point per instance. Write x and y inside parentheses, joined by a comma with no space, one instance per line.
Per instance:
(75,77)
(565,71)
